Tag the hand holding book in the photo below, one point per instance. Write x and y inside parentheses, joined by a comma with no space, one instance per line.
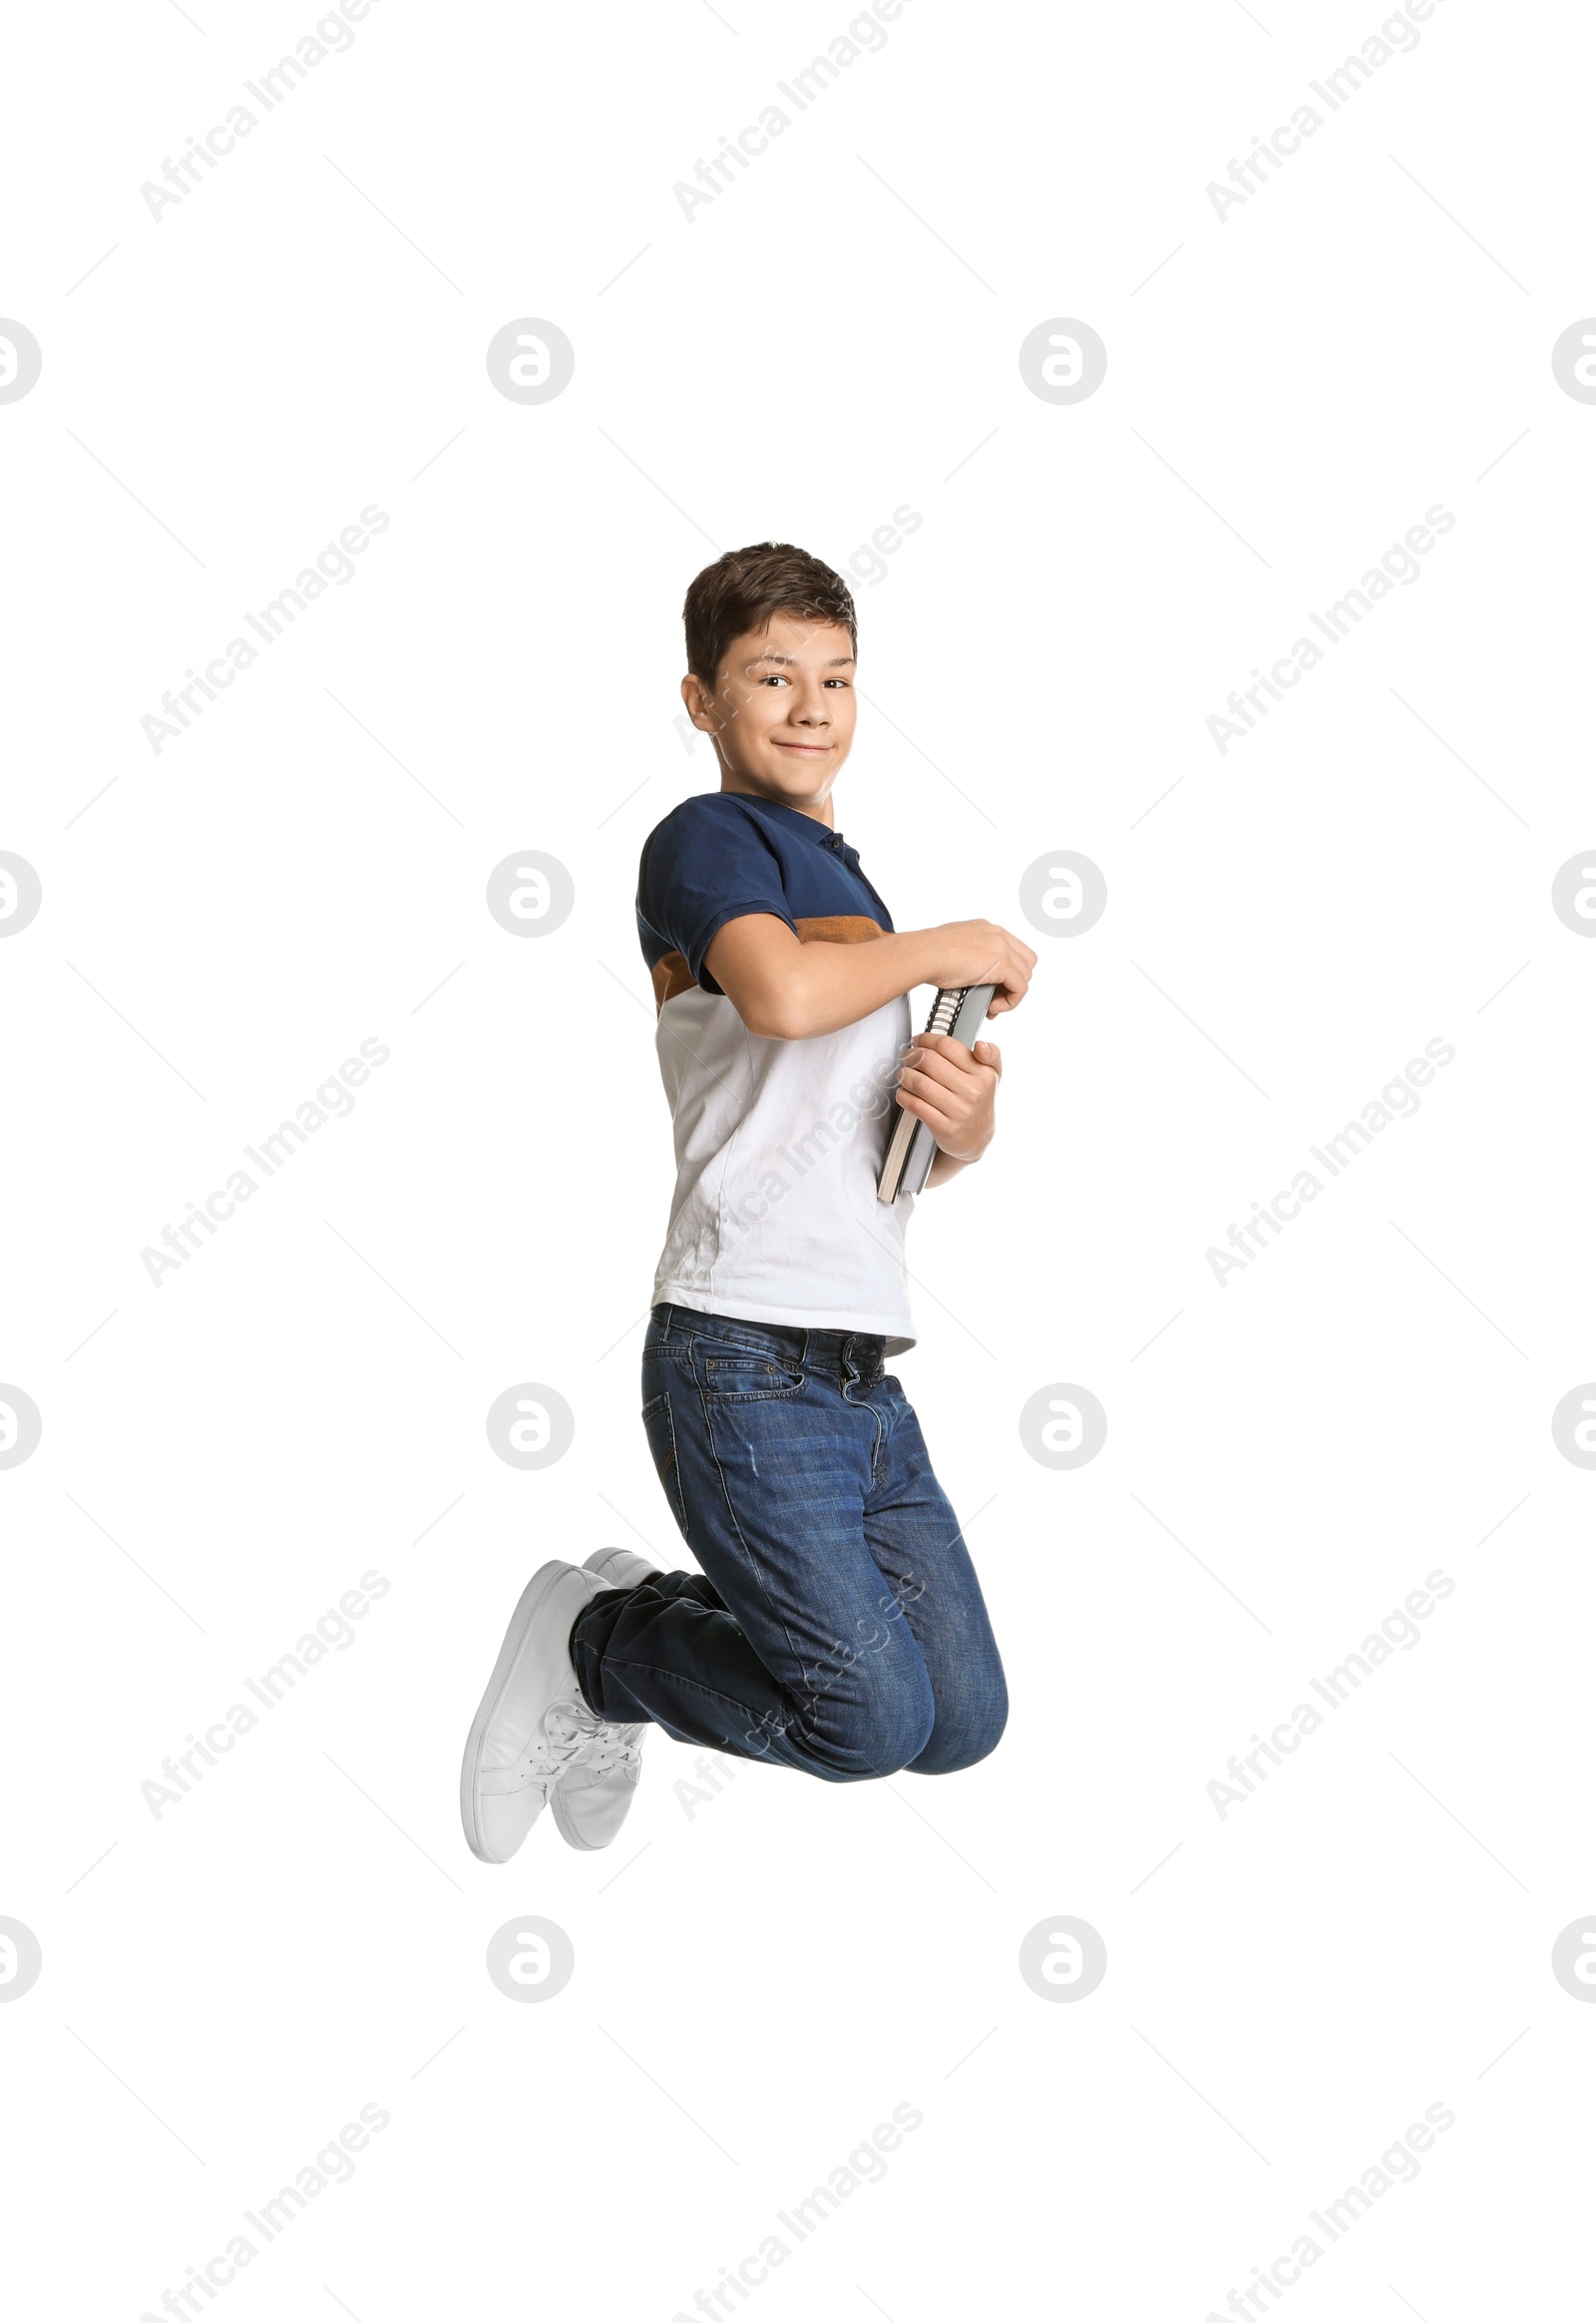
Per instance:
(957,1016)
(965,955)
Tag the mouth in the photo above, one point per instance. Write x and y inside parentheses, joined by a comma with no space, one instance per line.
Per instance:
(806,749)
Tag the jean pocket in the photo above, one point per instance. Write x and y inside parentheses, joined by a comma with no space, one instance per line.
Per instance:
(736,1375)
(661,1430)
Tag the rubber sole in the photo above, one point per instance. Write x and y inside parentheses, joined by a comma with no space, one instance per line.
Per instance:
(568,1829)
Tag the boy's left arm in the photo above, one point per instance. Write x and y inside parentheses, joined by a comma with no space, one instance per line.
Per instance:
(953,1089)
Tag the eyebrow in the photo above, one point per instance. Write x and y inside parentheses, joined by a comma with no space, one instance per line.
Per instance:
(790,660)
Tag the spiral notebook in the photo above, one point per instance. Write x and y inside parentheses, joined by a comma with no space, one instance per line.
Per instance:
(962,1011)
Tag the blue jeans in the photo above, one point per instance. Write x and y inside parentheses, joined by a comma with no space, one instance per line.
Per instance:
(837,1625)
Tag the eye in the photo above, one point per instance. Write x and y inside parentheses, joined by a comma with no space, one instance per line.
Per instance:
(775,677)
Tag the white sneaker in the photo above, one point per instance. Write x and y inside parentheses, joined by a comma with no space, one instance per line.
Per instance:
(620,1568)
(532,1724)
(595,1790)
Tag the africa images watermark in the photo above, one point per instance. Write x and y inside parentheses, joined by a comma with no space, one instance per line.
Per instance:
(864,36)
(1398,33)
(333,567)
(334,1632)
(1399,564)
(1398,1631)
(1398,2165)
(864,2166)
(333,2165)
(1398,1099)
(333,1100)
(331,35)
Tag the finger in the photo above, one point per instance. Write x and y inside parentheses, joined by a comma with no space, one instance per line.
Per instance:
(940,1124)
(944,1044)
(946,1099)
(956,1070)
(989,1054)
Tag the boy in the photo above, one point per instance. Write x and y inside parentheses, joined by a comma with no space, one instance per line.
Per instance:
(837,1625)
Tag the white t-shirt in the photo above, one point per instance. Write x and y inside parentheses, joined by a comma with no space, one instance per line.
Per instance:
(779,1143)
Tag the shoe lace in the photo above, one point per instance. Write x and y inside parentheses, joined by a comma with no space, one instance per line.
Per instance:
(616,1746)
(586,1738)
(568,1731)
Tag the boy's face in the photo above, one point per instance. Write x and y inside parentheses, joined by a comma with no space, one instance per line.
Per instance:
(781,712)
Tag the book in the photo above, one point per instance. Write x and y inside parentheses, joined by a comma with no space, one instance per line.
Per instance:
(959,1010)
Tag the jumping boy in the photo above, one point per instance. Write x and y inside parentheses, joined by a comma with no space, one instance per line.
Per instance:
(837,1625)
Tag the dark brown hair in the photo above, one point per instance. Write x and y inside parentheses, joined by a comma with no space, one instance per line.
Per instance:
(738,594)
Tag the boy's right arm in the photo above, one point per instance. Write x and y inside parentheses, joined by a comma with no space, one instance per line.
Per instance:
(784,990)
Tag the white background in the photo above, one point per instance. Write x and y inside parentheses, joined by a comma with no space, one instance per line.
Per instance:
(760,1981)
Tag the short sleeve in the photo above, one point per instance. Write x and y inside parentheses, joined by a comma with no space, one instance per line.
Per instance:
(704,865)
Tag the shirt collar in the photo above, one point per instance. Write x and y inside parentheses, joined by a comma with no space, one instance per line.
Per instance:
(817,832)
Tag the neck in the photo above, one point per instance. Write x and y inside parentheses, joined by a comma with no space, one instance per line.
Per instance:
(818,810)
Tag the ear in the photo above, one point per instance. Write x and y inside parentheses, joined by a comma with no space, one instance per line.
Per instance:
(701,705)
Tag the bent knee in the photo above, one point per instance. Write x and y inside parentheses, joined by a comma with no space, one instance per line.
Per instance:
(880,1739)
(959,1742)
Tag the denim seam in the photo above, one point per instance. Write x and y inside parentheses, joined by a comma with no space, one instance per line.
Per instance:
(749,1559)
(673,1491)
(879,1450)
